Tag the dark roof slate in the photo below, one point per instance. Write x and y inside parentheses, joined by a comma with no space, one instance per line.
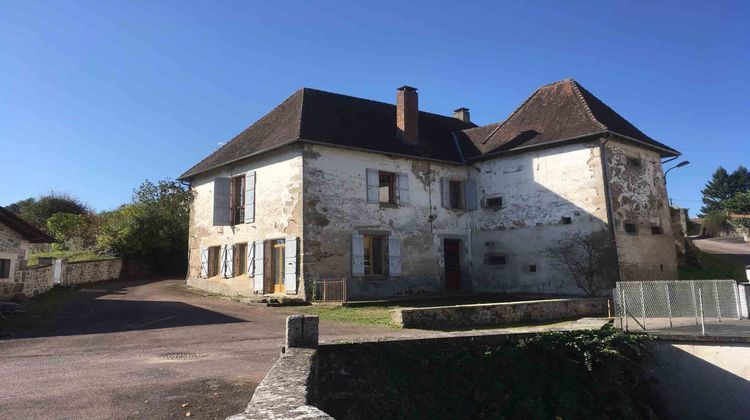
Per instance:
(28,231)
(555,112)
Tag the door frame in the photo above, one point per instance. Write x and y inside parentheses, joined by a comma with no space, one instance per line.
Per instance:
(459,241)
(269,271)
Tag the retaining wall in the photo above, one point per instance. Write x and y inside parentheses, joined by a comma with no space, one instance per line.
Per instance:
(493,314)
(27,283)
(82,272)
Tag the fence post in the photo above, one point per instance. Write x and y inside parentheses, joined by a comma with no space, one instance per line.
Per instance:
(695,302)
(736,291)
(669,303)
(643,306)
(325,287)
(624,309)
(700,302)
(716,297)
(343,298)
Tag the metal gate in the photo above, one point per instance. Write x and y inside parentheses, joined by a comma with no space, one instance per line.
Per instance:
(330,290)
(650,305)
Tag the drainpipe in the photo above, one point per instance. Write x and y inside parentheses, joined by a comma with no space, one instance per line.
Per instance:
(608,199)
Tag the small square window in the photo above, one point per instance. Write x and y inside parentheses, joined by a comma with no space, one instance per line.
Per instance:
(494,259)
(656,230)
(493,202)
(387,187)
(566,220)
(532,268)
(630,227)
(4,268)
(634,162)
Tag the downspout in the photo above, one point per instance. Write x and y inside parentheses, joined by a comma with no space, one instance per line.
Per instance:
(608,199)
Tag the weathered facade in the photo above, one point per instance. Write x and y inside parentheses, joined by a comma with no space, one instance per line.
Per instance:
(399,202)
(15,238)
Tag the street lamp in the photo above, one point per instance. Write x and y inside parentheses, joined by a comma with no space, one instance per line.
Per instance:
(679,165)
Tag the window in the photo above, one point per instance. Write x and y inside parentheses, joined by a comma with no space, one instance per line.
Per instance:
(656,230)
(375,255)
(566,220)
(634,162)
(4,269)
(493,202)
(494,259)
(456,194)
(238,200)
(240,259)
(630,228)
(532,268)
(214,260)
(387,187)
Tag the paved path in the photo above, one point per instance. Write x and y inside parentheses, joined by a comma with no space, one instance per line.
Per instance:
(733,249)
(145,349)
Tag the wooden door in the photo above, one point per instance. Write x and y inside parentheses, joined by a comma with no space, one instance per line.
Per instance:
(277,265)
(452,258)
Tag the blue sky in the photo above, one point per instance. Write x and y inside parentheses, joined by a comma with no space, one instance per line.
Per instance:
(97,96)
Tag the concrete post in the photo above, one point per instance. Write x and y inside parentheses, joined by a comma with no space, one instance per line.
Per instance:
(743,290)
(302,331)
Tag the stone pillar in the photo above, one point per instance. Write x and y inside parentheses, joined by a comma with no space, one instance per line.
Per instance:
(302,331)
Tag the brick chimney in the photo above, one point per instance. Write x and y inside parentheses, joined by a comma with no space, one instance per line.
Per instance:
(407,114)
(462,114)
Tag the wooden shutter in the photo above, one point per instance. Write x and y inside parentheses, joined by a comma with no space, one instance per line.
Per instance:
(470,194)
(204,262)
(394,256)
(250,258)
(358,255)
(228,261)
(373,183)
(402,189)
(445,192)
(223,260)
(250,197)
(222,188)
(258,267)
(290,265)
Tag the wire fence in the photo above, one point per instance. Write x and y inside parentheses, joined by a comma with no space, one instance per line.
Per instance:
(330,290)
(650,305)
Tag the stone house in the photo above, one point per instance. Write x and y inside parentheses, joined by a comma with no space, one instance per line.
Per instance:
(15,237)
(399,201)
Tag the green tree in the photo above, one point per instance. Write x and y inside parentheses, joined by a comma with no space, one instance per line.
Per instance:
(717,190)
(73,232)
(739,181)
(37,211)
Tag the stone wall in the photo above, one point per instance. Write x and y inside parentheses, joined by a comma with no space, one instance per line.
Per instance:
(27,283)
(493,314)
(81,272)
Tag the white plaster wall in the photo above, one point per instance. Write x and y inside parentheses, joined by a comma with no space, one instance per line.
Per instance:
(336,206)
(538,188)
(639,195)
(278,214)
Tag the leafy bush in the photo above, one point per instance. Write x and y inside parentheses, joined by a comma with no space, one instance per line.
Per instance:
(714,223)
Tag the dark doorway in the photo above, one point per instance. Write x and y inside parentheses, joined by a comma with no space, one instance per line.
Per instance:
(452,257)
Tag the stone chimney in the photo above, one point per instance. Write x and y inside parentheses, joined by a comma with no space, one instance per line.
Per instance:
(407,114)
(462,114)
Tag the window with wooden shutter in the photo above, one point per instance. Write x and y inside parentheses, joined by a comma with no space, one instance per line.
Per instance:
(402,188)
(214,261)
(358,255)
(204,261)
(227,261)
(445,192)
(240,259)
(290,265)
(373,184)
(250,197)
(258,267)
(470,194)
(250,259)
(394,257)
(222,206)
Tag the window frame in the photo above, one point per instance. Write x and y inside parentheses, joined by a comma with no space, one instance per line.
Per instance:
(625,227)
(488,203)
(391,179)
(214,261)
(634,162)
(237,199)
(657,230)
(566,220)
(5,268)
(489,256)
(456,194)
(370,254)
(239,265)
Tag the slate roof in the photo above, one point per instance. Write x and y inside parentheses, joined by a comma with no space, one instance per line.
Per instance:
(26,230)
(556,112)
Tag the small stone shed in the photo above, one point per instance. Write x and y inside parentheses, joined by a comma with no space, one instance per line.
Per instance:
(15,237)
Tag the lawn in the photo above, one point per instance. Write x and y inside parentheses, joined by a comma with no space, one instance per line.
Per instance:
(68,255)
(38,311)
(365,315)
(713,267)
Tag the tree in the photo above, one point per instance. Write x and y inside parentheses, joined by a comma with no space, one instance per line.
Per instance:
(37,211)
(153,228)
(73,232)
(739,181)
(717,190)
(591,260)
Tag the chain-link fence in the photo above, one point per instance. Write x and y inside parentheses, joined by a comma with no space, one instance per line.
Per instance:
(650,305)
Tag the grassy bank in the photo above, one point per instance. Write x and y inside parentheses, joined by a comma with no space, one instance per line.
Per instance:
(712,267)
(366,315)
(68,255)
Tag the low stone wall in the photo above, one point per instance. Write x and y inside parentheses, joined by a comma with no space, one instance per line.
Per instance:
(27,283)
(82,272)
(493,314)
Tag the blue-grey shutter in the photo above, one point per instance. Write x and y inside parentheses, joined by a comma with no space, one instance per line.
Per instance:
(204,261)
(223,260)
(373,183)
(250,197)
(258,267)
(222,186)
(470,194)
(402,190)
(358,255)
(228,261)
(394,256)
(250,259)
(445,192)
(290,265)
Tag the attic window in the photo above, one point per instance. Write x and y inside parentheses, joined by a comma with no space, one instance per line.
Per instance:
(630,228)
(566,220)
(532,268)
(656,230)
(634,162)
(493,203)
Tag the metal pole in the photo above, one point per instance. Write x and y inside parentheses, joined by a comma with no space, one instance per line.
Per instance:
(716,297)
(325,287)
(344,280)
(735,289)
(643,306)
(695,302)
(669,303)
(700,302)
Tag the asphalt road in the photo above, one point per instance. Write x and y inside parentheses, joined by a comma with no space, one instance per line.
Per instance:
(145,350)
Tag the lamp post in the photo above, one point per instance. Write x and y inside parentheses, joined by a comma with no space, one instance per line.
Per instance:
(679,165)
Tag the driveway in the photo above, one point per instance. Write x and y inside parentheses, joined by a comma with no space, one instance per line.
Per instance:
(141,349)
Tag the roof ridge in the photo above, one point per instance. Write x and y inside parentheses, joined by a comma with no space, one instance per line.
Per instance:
(515,112)
(589,113)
